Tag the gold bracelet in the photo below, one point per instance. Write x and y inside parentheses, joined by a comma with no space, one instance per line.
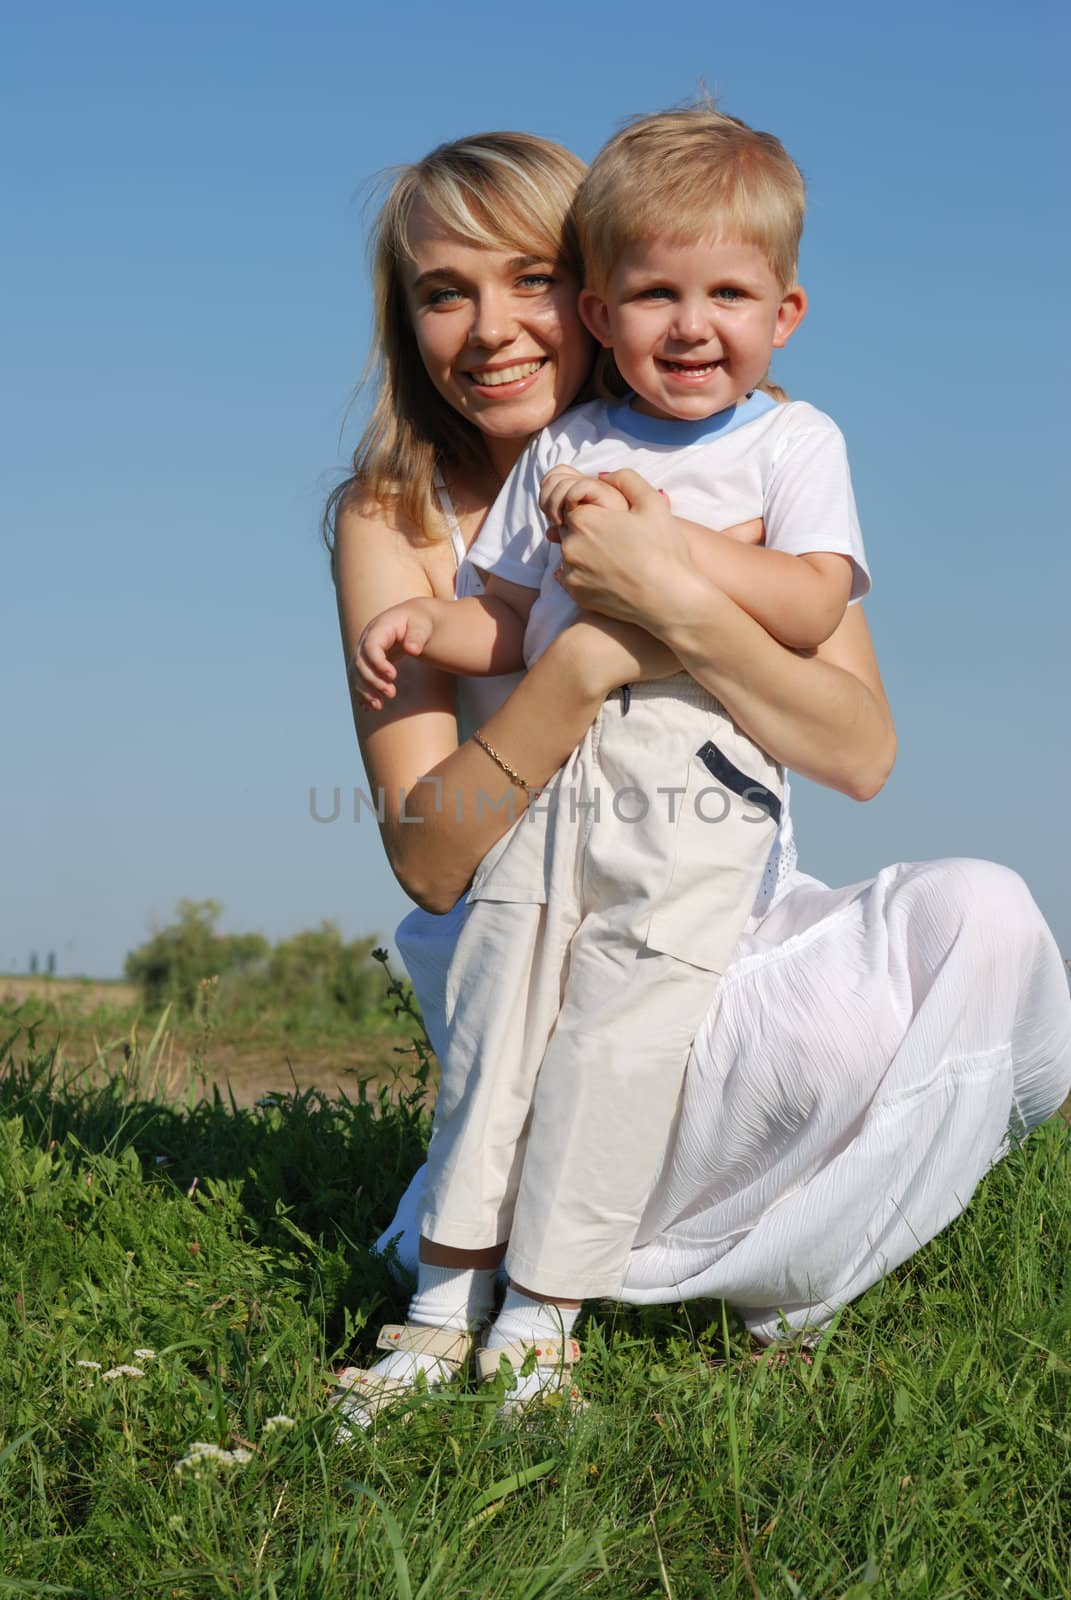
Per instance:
(511,773)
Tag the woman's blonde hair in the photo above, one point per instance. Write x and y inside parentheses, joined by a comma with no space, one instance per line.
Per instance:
(687,175)
(499,191)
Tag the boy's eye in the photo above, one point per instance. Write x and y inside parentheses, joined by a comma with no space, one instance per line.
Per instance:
(727,292)
(658,292)
(536,280)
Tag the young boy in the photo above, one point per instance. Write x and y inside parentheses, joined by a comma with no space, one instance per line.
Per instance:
(584,966)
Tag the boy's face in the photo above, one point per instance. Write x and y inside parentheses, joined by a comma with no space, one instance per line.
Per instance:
(692,326)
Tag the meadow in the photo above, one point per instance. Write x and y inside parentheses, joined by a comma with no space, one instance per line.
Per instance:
(182,1272)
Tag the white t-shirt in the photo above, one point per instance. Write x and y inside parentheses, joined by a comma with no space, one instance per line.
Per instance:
(783,462)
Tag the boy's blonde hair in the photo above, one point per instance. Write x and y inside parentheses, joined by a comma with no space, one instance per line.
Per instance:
(689,175)
(499,191)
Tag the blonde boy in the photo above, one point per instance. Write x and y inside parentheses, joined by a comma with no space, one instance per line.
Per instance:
(596,924)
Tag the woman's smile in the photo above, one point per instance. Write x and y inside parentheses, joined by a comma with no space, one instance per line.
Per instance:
(513,378)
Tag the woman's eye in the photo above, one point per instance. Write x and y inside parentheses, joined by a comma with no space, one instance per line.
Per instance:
(440,297)
(536,280)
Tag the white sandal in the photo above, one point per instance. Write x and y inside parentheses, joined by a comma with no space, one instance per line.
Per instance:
(554,1357)
(361,1394)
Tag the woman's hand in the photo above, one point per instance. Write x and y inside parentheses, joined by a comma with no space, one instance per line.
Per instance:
(618,561)
(564,490)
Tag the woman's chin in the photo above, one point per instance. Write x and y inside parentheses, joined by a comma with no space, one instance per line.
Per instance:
(516,417)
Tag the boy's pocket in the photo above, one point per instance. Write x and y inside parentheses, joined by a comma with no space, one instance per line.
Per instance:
(725,828)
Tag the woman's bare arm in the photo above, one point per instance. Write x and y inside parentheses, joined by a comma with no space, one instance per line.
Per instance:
(445,805)
(824,714)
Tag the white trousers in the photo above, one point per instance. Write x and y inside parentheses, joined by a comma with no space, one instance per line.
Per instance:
(870,1053)
(585,967)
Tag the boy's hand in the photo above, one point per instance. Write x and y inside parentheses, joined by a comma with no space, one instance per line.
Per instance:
(406,628)
(564,489)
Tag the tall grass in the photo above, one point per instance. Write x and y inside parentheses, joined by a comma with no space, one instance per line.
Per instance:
(926,1452)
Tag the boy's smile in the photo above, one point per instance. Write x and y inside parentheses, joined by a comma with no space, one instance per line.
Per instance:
(692,326)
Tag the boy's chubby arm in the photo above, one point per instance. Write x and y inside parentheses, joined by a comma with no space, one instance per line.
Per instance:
(479,636)
(799,600)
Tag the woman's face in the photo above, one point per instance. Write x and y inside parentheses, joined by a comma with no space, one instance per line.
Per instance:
(498,331)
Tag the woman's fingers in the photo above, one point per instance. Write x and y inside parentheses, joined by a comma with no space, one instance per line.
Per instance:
(635,489)
(564,491)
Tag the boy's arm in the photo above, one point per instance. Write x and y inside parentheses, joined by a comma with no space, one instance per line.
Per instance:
(800,600)
(479,636)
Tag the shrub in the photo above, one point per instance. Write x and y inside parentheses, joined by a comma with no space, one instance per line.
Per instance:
(314,976)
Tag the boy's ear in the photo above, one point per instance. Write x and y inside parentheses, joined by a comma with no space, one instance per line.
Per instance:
(790,313)
(594,315)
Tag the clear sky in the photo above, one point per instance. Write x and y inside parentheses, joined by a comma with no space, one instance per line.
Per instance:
(186,316)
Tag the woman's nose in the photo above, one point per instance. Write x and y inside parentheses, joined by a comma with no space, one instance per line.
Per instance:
(493,322)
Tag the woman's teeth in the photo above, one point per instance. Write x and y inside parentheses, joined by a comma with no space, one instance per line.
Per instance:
(491,380)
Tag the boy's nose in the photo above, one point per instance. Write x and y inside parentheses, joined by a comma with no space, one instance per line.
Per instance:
(693,322)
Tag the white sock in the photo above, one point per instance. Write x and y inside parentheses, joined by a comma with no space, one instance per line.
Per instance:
(522,1317)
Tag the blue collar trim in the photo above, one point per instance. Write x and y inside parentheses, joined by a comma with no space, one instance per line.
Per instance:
(672,431)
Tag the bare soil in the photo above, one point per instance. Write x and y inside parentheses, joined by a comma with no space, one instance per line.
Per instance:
(96,1023)
(88,994)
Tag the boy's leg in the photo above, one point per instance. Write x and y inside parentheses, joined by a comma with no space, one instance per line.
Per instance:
(502,996)
(666,893)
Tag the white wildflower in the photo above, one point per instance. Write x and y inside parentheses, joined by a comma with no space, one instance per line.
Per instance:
(90,1366)
(144,1355)
(278,1421)
(124,1370)
(200,1455)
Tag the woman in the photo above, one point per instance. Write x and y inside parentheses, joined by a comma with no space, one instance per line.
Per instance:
(872,1046)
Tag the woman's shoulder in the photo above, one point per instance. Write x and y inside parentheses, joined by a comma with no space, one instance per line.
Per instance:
(376,548)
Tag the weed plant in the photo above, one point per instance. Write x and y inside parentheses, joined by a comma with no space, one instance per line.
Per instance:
(222,1253)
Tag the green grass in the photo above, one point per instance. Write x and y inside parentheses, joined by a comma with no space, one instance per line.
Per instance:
(927,1452)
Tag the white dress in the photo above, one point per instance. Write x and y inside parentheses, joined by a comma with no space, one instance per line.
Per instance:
(870,1053)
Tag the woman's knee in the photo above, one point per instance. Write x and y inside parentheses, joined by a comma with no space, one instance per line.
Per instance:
(980,900)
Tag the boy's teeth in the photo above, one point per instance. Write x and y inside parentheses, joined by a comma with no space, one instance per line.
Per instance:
(523,369)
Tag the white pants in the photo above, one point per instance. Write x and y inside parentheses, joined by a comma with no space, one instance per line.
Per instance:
(587,963)
(870,1053)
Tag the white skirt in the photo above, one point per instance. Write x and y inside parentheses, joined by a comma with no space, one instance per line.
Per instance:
(870,1054)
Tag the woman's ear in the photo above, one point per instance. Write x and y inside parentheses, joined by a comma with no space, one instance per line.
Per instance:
(790,313)
(595,316)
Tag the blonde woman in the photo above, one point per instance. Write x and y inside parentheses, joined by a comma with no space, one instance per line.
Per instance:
(871,1046)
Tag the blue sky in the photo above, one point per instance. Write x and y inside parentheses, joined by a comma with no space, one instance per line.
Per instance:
(186,316)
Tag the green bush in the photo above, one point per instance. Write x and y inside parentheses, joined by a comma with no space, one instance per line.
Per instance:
(169,966)
(314,975)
